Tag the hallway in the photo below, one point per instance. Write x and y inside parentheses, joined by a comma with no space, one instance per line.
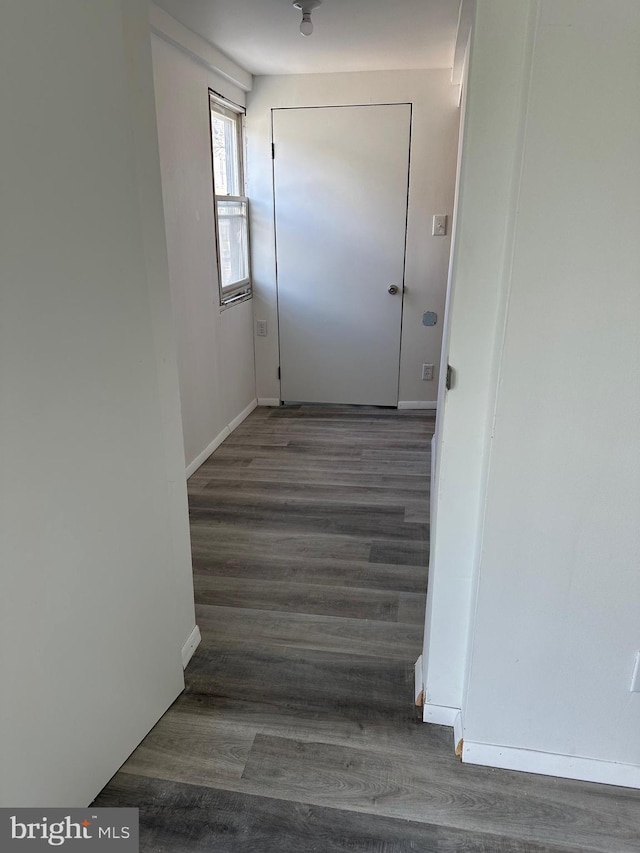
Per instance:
(297,728)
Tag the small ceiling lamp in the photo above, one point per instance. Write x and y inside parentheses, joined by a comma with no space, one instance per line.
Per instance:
(306,7)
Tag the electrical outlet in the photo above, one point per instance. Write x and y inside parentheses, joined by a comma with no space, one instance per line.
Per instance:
(427,372)
(261,328)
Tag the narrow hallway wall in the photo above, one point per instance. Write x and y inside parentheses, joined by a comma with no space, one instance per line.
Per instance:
(97,593)
(214,347)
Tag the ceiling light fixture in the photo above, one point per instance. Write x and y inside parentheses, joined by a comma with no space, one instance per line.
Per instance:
(306,7)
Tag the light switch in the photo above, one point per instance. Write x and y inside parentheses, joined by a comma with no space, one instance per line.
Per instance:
(439,225)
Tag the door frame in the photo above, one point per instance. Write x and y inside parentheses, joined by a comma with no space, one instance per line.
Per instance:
(406,222)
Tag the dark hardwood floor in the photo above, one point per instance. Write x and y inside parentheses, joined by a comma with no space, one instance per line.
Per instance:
(297,731)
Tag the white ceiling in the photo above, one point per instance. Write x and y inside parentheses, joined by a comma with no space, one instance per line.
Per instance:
(350,35)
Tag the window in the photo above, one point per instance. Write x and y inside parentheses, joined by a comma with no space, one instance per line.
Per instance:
(230,203)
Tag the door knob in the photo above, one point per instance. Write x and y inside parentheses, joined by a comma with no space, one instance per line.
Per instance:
(393,289)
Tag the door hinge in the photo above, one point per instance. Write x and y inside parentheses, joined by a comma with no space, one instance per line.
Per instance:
(450,377)
(279,373)
(273,151)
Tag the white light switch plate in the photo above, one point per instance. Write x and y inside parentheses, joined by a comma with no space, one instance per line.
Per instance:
(439,225)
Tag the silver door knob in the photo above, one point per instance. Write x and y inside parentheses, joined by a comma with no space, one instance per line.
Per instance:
(393,289)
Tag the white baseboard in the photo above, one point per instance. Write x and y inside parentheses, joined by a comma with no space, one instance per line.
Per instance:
(439,715)
(190,646)
(243,415)
(458,739)
(418,683)
(268,401)
(552,764)
(432,405)
(192,467)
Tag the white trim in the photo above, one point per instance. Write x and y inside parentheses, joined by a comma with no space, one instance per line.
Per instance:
(418,683)
(458,740)
(418,404)
(439,715)
(465,22)
(165,26)
(268,401)
(192,467)
(552,764)
(243,414)
(190,646)
(634,687)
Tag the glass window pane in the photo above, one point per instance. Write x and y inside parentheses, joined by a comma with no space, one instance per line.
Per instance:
(233,242)
(226,167)
(232,220)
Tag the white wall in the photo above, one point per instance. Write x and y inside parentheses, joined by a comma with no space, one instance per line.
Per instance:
(554,627)
(97,596)
(434,146)
(488,175)
(215,348)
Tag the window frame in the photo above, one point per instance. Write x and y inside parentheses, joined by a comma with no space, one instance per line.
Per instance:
(240,290)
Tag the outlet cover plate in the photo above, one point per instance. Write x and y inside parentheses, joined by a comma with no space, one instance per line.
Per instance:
(427,372)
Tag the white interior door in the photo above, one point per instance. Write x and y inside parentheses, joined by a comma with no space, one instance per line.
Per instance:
(341,187)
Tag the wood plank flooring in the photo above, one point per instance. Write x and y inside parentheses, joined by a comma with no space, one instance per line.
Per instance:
(297,729)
